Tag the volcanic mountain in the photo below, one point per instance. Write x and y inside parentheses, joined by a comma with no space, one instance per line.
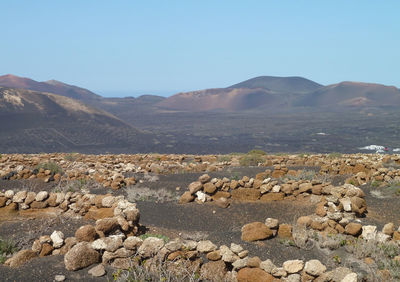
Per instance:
(354,94)
(284,93)
(32,121)
(293,84)
(264,92)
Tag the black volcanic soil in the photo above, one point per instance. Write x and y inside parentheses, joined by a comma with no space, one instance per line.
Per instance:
(223,226)
(383,208)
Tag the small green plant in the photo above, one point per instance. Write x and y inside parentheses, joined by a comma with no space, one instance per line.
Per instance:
(287,242)
(390,250)
(376,183)
(159,236)
(52,166)
(252,158)
(7,247)
(116,274)
(394,188)
(352,182)
(71,157)
(235,176)
(224,158)
(337,259)
(303,155)
(257,152)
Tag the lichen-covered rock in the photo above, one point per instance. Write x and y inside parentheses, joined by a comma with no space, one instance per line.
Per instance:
(293,266)
(353,228)
(186,197)
(132,243)
(19,197)
(206,246)
(57,237)
(213,271)
(86,233)
(314,267)
(107,225)
(20,258)
(272,223)
(111,243)
(80,256)
(369,232)
(150,246)
(41,196)
(195,186)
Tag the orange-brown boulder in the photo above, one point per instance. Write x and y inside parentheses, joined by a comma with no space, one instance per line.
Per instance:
(256,231)
(248,274)
(269,197)
(246,194)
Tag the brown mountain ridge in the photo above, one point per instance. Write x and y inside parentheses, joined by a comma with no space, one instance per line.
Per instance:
(284,93)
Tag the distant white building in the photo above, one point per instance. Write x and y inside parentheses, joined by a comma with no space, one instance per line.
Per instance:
(377,148)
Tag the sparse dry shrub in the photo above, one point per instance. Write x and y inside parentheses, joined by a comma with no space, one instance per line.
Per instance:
(334,155)
(257,152)
(224,158)
(309,175)
(301,237)
(137,193)
(71,157)
(76,185)
(302,175)
(382,253)
(7,247)
(158,270)
(52,166)
(251,160)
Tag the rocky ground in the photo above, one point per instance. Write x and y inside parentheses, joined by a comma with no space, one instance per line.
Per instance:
(306,194)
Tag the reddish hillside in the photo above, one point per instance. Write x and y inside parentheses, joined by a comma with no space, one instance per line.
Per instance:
(222,99)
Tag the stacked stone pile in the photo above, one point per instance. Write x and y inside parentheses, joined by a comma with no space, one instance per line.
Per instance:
(229,263)
(261,188)
(105,168)
(88,205)
(109,170)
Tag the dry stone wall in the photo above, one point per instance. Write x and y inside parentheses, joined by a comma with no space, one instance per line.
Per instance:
(112,241)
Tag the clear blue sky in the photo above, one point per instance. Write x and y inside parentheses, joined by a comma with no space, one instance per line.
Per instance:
(162,47)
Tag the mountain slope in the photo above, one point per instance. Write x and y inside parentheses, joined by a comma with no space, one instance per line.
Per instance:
(356,94)
(259,93)
(292,84)
(33,121)
(225,99)
(51,86)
